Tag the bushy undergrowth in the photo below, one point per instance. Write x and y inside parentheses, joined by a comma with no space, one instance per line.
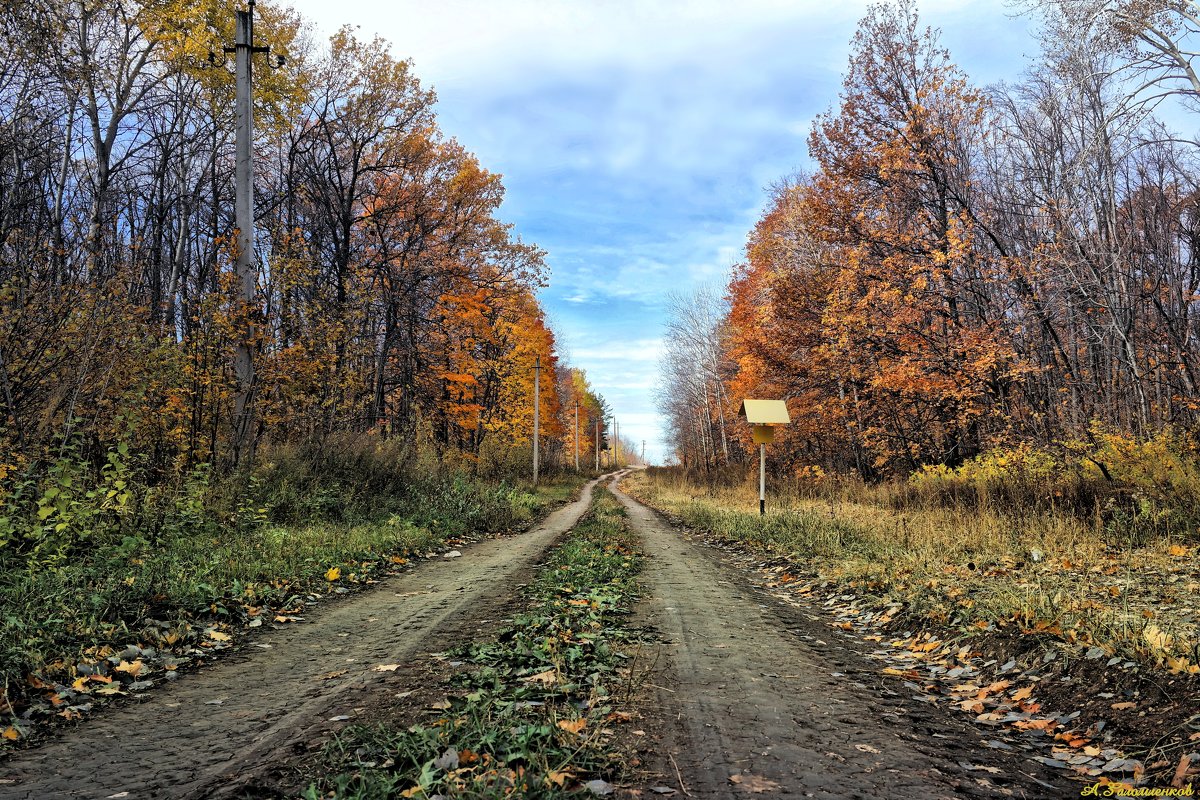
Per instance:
(1131,490)
(88,553)
(527,717)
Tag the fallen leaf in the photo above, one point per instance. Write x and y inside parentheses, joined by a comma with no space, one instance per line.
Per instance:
(129,668)
(866,748)
(11,733)
(600,787)
(572,725)
(1177,550)
(753,783)
(386,667)
(328,676)
(1185,763)
(1122,706)
(1022,694)
(333,573)
(447,760)
(548,677)
(217,636)
(558,778)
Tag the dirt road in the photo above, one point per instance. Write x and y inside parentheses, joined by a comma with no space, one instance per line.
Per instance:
(768,701)
(757,696)
(198,736)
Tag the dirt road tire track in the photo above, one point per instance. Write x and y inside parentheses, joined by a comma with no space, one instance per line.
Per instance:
(179,742)
(754,701)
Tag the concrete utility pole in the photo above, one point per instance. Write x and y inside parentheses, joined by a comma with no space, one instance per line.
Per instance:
(762,480)
(243,201)
(617,441)
(577,436)
(643,452)
(537,374)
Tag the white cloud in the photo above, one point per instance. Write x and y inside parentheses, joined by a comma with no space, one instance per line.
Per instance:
(643,350)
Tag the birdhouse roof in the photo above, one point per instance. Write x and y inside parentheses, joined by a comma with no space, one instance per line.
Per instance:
(765,412)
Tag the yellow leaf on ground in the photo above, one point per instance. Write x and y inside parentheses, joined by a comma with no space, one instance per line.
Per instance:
(1157,638)
(547,677)
(1177,550)
(217,636)
(129,668)
(11,733)
(572,725)
(559,778)
(333,573)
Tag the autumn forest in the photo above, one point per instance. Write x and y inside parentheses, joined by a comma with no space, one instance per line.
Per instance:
(967,269)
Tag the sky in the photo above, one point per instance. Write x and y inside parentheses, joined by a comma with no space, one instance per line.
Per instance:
(638,138)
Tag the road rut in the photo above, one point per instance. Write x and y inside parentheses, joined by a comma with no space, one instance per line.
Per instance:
(200,735)
(761,710)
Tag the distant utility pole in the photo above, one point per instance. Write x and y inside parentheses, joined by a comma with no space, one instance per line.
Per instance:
(537,373)
(597,445)
(616,442)
(247,273)
(577,436)
(643,452)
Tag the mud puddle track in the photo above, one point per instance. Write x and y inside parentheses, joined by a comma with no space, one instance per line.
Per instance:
(767,701)
(205,734)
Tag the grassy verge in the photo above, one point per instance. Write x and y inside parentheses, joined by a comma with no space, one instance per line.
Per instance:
(528,711)
(123,611)
(1040,573)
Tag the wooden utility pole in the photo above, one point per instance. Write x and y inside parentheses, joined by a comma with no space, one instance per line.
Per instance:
(537,374)
(577,436)
(597,445)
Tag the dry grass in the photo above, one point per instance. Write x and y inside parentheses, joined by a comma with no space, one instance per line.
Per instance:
(1041,572)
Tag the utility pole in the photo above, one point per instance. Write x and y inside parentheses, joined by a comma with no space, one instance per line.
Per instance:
(643,452)
(247,272)
(577,436)
(537,374)
(597,445)
(762,480)
(616,442)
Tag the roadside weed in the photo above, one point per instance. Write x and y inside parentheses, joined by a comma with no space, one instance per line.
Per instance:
(526,715)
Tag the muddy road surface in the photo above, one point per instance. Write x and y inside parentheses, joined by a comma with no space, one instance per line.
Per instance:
(766,701)
(200,736)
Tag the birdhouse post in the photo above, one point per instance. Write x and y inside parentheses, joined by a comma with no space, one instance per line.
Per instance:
(762,415)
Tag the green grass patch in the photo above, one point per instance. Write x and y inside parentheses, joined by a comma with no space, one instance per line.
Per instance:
(528,712)
(85,579)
